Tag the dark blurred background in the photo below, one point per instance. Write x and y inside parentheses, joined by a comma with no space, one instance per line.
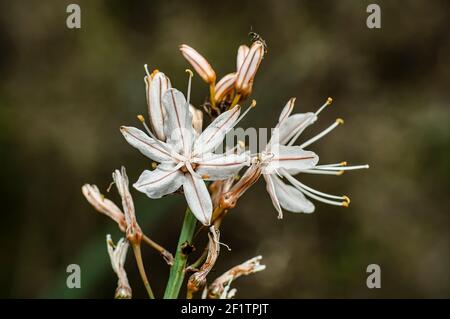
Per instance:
(64,93)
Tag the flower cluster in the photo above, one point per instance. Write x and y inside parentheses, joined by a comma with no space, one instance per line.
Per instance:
(186,159)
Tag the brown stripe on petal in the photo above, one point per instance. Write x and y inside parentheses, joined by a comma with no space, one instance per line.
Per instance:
(226,122)
(198,195)
(159,179)
(148,144)
(292,158)
(178,117)
(224,86)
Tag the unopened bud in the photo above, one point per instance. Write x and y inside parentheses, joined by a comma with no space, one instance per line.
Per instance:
(197,119)
(247,71)
(224,86)
(199,63)
(241,54)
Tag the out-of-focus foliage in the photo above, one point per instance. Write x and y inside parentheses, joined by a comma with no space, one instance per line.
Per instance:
(64,93)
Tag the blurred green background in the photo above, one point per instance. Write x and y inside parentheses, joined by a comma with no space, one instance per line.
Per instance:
(64,93)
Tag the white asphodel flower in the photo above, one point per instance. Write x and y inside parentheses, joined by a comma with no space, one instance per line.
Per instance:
(282,159)
(186,158)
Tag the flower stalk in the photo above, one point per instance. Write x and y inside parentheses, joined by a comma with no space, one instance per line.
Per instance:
(137,254)
(164,253)
(177,271)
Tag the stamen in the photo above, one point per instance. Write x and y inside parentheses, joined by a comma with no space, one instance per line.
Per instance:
(238,149)
(188,95)
(347,199)
(324,200)
(328,102)
(331,165)
(216,238)
(299,184)
(299,131)
(141,118)
(323,133)
(174,154)
(323,172)
(253,105)
(345,168)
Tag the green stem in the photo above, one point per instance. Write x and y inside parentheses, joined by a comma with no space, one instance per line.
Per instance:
(176,276)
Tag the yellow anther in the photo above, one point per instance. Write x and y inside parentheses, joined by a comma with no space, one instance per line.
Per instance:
(241,144)
(340,121)
(253,103)
(347,199)
(344,163)
(205,176)
(154,165)
(154,72)
(141,118)
(340,173)
(329,101)
(191,74)
(345,204)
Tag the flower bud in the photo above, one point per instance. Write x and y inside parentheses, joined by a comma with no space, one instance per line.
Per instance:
(156,84)
(247,71)
(224,86)
(197,118)
(199,63)
(241,54)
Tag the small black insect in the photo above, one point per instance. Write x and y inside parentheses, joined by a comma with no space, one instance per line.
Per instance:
(256,37)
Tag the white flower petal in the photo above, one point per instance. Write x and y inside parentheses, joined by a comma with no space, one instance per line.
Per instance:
(292,158)
(182,141)
(216,167)
(291,198)
(294,124)
(273,196)
(214,134)
(157,151)
(178,117)
(198,199)
(156,86)
(165,179)
(287,110)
